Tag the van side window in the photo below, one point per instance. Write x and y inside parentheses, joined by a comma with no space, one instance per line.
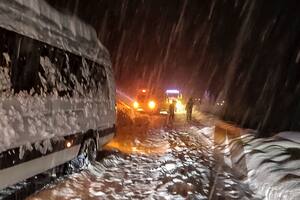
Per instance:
(25,64)
(5,71)
(38,68)
(63,72)
(102,80)
(56,71)
(99,77)
(5,62)
(77,75)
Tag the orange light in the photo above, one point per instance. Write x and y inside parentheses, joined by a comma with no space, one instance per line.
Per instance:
(135,104)
(68,144)
(143,91)
(151,105)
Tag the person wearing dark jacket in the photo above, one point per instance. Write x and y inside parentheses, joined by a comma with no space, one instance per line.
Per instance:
(172,111)
(189,109)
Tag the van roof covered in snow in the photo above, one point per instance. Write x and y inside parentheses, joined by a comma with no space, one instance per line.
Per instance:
(38,20)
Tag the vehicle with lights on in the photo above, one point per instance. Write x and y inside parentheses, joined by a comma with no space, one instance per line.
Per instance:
(145,102)
(174,95)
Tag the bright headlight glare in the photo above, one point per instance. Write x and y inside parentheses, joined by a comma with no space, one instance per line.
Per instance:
(135,104)
(151,104)
(179,104)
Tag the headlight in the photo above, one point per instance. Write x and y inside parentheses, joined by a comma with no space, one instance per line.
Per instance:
(179,105)
(135,104)
(151,104)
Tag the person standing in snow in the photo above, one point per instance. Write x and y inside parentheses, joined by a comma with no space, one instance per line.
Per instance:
(172,111)
(189,109)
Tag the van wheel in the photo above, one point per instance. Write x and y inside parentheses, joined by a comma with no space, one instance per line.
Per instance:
(89,150)
(87,154)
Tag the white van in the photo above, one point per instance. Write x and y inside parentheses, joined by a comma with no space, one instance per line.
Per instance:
(57,92)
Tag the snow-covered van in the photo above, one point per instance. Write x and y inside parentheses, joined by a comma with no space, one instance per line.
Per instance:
(57,92)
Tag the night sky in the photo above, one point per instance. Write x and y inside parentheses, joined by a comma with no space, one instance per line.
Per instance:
(243,51)
(154,41)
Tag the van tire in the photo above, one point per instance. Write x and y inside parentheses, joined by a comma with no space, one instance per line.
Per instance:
(89,149)
(87,154)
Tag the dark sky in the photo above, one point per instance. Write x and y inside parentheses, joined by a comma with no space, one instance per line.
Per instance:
(243,51)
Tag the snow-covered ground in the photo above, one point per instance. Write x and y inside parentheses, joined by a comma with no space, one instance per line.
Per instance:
(150,159)
(273,166)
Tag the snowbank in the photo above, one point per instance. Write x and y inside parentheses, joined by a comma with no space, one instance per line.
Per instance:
(273,164)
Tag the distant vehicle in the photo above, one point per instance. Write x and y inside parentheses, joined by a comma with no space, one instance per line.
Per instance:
(174,95)
(57,91)
(145,102)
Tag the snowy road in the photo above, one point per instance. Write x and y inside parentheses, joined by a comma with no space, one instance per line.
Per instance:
(151,160)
